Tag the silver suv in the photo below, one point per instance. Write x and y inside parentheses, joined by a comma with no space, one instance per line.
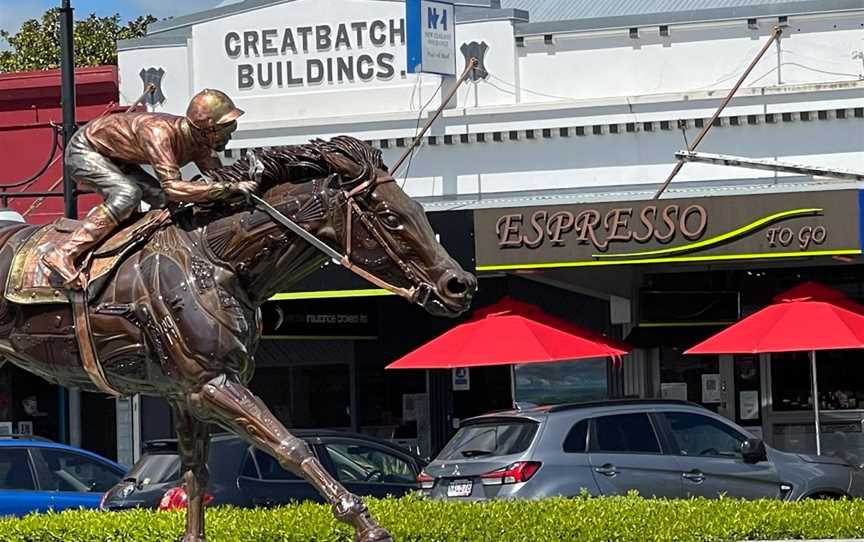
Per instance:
(659,448)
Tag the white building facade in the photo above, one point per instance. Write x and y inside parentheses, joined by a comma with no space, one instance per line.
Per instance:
(576,104)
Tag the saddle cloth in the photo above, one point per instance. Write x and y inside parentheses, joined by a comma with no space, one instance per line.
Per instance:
(31,282)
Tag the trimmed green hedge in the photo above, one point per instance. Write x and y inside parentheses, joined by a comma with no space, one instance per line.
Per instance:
(625,519)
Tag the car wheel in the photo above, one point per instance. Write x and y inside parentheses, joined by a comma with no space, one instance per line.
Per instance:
(826,496)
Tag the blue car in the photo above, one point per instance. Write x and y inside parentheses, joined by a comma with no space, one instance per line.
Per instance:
(38,475)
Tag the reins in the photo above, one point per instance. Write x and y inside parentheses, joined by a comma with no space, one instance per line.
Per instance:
(418,293)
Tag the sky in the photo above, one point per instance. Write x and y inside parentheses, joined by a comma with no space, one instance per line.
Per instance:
(14,12)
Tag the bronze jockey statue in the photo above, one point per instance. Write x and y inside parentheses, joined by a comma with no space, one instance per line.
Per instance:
(106,155)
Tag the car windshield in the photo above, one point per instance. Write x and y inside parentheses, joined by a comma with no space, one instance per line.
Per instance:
(156,469)
(490,439)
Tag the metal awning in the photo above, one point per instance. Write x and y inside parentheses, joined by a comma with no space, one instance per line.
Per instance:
(573,196)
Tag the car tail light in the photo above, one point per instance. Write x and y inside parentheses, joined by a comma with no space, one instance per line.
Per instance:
(176,499)
(425,481)
(514,474)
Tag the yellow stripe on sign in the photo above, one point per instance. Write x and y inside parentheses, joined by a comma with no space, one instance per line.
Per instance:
(674,259)
(743,230)
(330,294)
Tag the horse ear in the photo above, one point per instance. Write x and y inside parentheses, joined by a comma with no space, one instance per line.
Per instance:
(344,165)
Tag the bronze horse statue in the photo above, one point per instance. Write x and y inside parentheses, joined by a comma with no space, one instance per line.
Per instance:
(171,305)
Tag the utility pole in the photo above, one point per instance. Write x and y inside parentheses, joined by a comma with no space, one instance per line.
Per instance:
(70,198)
(67,98)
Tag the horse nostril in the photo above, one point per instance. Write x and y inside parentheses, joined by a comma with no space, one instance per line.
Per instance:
(461,285)
(456,287)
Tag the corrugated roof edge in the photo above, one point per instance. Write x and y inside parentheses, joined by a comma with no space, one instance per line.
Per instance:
(167,39)
(248,5)
(476,15)
(801,7)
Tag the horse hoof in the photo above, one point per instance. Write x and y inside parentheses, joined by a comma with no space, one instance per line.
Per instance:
(377,534)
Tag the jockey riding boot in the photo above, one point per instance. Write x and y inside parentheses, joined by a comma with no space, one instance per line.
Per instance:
(98,225)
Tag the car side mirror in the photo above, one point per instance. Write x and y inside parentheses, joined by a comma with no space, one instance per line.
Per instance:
(753,450)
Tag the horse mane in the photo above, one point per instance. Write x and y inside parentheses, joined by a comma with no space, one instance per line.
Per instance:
(300,163)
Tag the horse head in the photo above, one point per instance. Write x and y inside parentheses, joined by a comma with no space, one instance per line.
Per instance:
(356,207)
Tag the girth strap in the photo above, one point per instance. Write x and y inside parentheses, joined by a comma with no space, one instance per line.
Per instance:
(89,359)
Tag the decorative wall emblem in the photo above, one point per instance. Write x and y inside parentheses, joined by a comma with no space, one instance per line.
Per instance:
(478,51)
(153,75)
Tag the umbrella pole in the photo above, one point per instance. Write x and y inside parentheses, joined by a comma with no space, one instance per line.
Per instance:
(816,401)
(513,385)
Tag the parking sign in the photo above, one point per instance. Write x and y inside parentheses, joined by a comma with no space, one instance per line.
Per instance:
(431,36)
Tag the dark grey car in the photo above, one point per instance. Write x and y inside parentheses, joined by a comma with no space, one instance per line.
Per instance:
(659,448)
(241,475)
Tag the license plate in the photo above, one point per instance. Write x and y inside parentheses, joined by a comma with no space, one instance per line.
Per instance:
(460,488)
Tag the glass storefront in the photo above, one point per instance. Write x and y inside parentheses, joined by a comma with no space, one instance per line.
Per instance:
(690,378)
(28,404)
(748,393)
(841,401)
(565,382)
(307,396)
(840,377)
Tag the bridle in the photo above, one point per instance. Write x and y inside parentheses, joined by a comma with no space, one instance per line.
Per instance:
(420,290)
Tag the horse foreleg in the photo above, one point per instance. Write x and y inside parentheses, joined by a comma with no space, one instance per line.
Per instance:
(233,405)
(193,438)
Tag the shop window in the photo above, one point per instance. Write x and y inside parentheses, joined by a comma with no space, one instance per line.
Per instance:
(558,383)
(624,433)
(840,377)
(28,404)
(690,378)
(747,388)
(392,405)
(306,396)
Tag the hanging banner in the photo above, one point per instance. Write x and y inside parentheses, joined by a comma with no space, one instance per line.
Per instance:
(431,36)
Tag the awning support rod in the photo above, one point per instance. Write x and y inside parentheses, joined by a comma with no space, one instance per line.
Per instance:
(770,165)
(775,34)
(472,63)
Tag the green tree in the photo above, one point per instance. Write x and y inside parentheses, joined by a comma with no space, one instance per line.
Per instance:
(36,46)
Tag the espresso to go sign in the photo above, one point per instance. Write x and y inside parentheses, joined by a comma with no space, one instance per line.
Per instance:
(661,224)
(721,228)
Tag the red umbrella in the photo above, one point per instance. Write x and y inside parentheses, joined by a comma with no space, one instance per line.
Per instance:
(507,333)
(806,318)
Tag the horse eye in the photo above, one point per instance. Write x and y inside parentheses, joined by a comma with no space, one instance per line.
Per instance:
(390,220)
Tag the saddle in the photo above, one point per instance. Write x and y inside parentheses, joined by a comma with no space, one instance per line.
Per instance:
(31,282)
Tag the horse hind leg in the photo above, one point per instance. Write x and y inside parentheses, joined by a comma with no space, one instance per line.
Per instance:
(193,437)
(231,404)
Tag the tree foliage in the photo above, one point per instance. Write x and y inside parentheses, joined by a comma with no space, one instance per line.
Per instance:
(36,45)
